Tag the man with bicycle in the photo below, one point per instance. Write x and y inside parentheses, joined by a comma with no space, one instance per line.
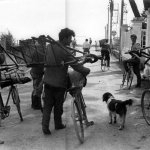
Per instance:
(56,79)
(134,60)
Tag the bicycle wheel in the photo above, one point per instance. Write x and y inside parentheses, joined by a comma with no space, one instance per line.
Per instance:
(145,105)
(16,100)
(130,76)
(103,65)
(77,120)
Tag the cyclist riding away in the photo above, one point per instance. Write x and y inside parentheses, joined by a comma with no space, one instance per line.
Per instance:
(105,51)
(134,60)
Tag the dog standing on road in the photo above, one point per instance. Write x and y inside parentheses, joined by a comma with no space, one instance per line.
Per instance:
(116,107)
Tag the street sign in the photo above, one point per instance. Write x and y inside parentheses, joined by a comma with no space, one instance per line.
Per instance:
(113,33)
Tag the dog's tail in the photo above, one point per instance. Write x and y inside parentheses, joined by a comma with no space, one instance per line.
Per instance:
(128,102)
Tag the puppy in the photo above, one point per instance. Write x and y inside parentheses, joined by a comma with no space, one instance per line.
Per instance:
(116,107)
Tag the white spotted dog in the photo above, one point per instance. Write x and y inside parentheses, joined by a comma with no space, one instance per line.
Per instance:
(116,107)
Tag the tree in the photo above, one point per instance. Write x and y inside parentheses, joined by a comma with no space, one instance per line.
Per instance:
(9,39)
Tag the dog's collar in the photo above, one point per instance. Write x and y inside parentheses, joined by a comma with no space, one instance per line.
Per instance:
(109,100)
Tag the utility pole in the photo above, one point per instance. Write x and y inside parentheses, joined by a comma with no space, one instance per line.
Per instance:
(111,15)
(106,32)
(108,24)
(121,23)
(66,9)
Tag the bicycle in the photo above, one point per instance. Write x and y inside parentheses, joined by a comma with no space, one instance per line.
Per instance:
(128,76)
(13,91)
(78,106)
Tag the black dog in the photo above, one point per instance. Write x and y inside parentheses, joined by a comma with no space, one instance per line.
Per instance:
(116,107)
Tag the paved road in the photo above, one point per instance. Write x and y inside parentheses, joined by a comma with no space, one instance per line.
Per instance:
(27,135)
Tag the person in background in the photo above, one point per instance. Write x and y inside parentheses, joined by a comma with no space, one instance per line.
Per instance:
(86,46)
(134,60)
(74,43)
(37,76)
(96,46)
(105,51)
(90,41)
(56,80)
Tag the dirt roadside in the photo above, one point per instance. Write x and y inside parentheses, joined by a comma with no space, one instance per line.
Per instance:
(27,135)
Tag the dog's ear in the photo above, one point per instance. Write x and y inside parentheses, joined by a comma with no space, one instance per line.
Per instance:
(106,96)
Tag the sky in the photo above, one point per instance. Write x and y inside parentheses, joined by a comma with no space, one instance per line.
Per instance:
(88,18)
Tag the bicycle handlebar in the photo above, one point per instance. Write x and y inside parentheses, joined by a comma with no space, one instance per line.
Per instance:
(93,57)
(142,54)
(144,48)
(136,51)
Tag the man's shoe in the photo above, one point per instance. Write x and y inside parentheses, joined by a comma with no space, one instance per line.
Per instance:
(46,130)
(62,126)
(137,86)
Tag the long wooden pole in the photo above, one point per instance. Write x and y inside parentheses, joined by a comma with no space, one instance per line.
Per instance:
(108,25)
(111,15)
